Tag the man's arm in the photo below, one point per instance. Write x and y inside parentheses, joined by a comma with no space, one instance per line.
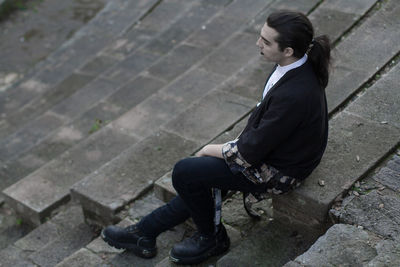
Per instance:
(212,150)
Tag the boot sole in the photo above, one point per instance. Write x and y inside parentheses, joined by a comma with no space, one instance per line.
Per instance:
(141,252)
(200,258)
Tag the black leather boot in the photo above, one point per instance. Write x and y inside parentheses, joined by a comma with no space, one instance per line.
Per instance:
(200,247)
(130,238)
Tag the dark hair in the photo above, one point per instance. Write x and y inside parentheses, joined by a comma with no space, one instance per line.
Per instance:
(296,31)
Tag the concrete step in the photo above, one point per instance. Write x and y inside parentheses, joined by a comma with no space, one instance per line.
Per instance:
(88,104)
(368,228)
(348,245)
(180,52)
(372,204)
(48,244)
(35,196)
(113,20)
(74,95)
(29,36)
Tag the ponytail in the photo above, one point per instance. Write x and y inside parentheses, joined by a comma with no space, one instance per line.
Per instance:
(319,55)
(296,31)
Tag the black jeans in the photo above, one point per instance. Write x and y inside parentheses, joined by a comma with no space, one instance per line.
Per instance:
(193,179)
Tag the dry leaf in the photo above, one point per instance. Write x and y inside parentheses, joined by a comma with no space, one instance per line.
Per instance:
(381,206)
(357,184)
(356,193)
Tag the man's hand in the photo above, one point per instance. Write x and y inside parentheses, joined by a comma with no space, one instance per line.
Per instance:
(214,150)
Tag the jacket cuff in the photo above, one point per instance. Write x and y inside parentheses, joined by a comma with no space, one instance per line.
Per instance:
(232,155)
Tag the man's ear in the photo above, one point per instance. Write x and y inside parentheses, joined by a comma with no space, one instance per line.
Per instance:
(288,52)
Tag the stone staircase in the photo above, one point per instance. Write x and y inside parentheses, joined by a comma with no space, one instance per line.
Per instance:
(146,83)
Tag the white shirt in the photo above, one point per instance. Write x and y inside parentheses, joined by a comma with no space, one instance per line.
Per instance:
(280,71)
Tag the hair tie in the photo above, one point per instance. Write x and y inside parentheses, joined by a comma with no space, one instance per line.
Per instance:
(310,46)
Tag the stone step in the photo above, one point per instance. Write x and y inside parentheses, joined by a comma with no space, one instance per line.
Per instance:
(348,245)
(360,137)
(75,94)
(357,56)
(31,35)
(368,229)
(373,204)
(82,257)
(113,20)
(69,135)
(51,242)
(35,196)
(82,105)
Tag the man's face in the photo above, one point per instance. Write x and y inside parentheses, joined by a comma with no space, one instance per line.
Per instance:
(269,48)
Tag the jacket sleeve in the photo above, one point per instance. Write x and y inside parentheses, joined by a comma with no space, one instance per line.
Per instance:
(233,158)
(283,115)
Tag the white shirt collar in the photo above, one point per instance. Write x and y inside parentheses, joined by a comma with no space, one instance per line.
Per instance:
(294,65)
(280,71)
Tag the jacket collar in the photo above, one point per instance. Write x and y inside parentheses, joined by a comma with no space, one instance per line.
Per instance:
(286,76)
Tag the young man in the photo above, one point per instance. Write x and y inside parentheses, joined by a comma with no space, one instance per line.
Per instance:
(280,146)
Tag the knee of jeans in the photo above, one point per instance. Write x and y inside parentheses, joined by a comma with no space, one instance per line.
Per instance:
(179,173)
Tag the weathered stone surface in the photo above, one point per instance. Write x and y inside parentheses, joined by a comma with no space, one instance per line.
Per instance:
(189,22)
(357,54)
(335,17)
(35,196)
(388,254)
(214,32)
(342,245)
(28,136)
(67,244)
(355,145)
(178,61)
(161,107)
(41,236)
(82,257)
(124,179)
(12,256)
(249,81)
(381,101)
(376,212)
(389,178)
(210,115)
(164,189)
(131,66)
(244,11)
(228,59)
(144,206)
(79,102)
(135,92)
(39,105)
(256,23)
(51,230)
(269,244)
(98,65)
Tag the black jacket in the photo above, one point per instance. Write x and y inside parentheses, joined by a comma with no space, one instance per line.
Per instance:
(289,129)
